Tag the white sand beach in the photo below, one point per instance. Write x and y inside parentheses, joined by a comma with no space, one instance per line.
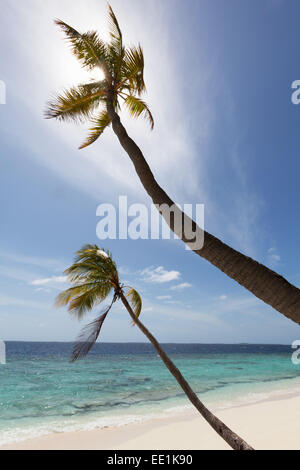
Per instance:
(267,425)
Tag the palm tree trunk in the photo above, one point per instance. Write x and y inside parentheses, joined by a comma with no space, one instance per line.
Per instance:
(235,441)
(264,283)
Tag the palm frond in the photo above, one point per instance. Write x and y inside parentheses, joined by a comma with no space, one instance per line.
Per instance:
(88,337)
(135,301)
(88,271)
(137,107)
(115,48)
(114,30)
(133,69)
(99,125)
(90,265)
(89,49)
(65,296)
(80,304)
(77,103)
(94,86)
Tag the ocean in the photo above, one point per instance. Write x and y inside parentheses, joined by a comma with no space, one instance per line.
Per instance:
(42,392)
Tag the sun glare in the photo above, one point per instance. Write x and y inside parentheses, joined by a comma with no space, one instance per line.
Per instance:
(75,74)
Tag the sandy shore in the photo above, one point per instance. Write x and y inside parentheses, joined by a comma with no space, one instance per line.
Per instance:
(267,425)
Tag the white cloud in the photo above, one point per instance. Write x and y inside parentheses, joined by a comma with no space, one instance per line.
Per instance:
(273,257)
(181,286)
(27,268)
(223,297)
(164,297)
(148,309)
(124,270)
(159,275)
(42,289)
(243,305)
(50,281)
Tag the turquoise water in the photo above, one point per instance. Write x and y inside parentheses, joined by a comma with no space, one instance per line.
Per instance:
(42,392)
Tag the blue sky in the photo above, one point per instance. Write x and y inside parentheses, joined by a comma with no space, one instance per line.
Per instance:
(219,78)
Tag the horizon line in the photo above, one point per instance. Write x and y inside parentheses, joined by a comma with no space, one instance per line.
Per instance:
(145,342)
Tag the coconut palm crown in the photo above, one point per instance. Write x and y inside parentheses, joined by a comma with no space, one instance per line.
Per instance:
(94,276)
(123,69)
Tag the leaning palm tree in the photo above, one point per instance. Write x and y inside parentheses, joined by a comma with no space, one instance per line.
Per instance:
(94,276)
(100,101)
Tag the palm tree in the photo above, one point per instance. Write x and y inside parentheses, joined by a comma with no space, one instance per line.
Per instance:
(94,276)
(99,101)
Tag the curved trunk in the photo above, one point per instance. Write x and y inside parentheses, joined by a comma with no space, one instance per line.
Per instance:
(264,283)
(235,441)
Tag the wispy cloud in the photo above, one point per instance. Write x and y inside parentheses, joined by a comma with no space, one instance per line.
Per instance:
(164,297)
(50,281)
(7,301)
(148,309)
(223,297)
(273,258)
(159,275)
(41,262)
(183,285)
(32,270)
(15,272)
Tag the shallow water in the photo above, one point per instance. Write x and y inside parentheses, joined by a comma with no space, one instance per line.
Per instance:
(41,392)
